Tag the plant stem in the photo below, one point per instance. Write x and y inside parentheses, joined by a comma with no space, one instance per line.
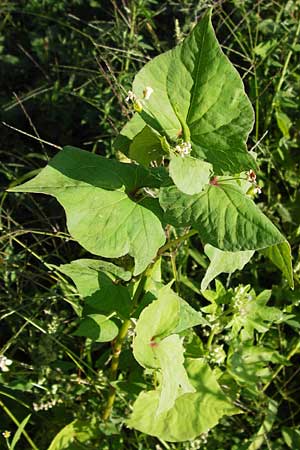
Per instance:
(114,367)
(117,348)
(210,338)
(16,422)
(176,241)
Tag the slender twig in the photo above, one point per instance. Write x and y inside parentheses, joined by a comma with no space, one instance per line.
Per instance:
(31,136)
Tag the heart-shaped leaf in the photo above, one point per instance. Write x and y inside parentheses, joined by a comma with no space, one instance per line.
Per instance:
(197,94)
(192,413)
(96,195)
(223,215)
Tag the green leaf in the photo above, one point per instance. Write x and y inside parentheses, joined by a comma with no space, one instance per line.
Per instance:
(154,74)
(101,216)
(156,321)
(252,313)
(284,123)
(249,365)
(189,174)
(267,425)
(188,318)
(223,216)
(98,289)
(175,382)
(280,255)
(76,432)
(146,147)
(192,413)
(291,437)
(85,274)
(128,132)
(98,328)
(109,299)
(19,432)
(197,90)
(220,262)
(210,95)
(166,315)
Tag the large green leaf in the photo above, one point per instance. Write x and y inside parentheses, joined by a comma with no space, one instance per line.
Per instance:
(220,262)
(155,74)
(209,93)
(192,413)
(95,193)
(223,216)
(85,274)
(198,91)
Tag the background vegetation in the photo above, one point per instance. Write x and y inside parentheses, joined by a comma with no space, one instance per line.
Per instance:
(65,70)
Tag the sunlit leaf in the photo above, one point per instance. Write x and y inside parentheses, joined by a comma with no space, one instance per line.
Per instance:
(223,216)
(197,91)
(100,292)
(221,261)
(101,216)
(192,413)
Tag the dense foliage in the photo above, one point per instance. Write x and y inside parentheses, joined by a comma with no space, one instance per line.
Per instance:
(185,214)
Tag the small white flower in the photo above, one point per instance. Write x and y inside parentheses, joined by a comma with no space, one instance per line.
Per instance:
(131,97)
(147,92)
(4,363)
(257,190)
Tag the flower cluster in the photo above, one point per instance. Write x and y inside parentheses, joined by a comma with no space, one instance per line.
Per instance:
(183,149)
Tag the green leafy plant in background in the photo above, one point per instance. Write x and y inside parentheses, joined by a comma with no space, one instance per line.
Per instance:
(188,170)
